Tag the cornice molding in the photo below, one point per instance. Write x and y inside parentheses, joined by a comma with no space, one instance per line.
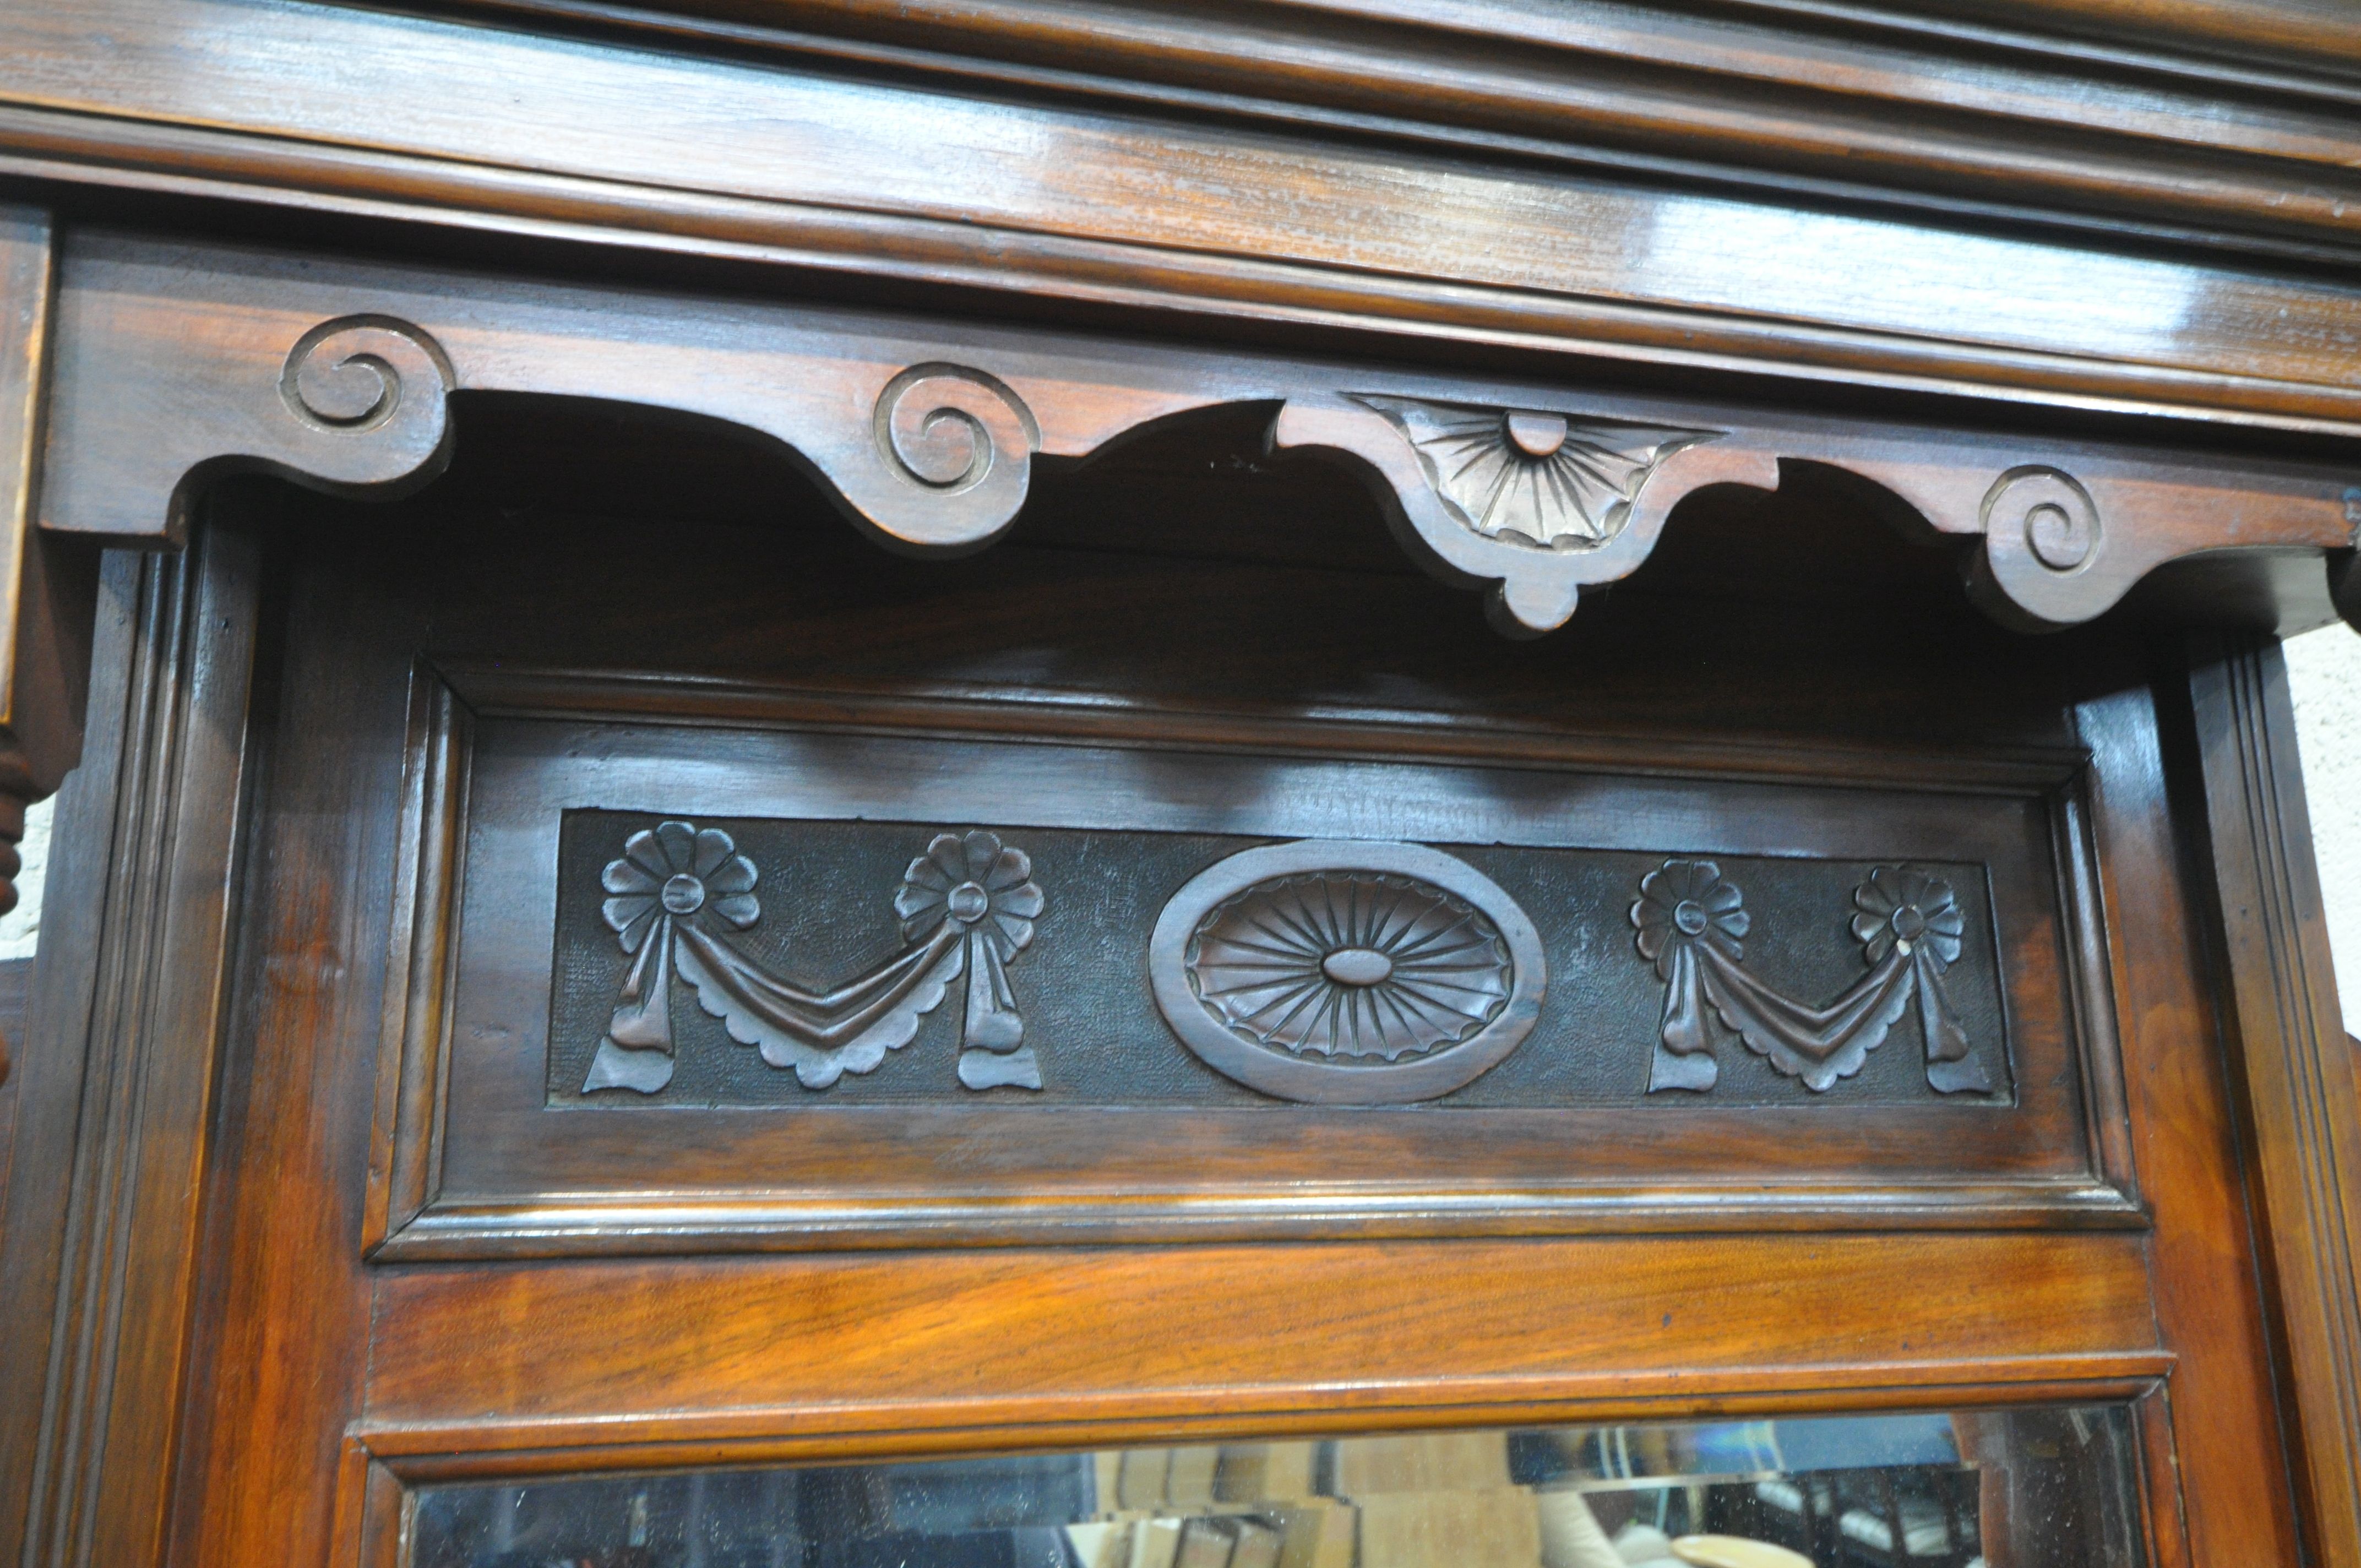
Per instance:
(2042,113)
(439,122)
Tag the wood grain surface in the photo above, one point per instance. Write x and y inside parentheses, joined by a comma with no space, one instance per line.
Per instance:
(180,364)
(624,142)
(315,1364)
(2051,297)
(2298,1069)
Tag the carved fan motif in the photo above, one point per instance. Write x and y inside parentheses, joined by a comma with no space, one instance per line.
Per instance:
(1350,964)
(1539,476)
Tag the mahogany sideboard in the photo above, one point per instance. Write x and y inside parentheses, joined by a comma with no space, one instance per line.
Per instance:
(1176,786)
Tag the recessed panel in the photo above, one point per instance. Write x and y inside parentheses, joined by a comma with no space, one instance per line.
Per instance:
(799,983)
(801,965)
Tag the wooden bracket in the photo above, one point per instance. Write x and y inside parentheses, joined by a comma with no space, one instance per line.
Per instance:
(177,362)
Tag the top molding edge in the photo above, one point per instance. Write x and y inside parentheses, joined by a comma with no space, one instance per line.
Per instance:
(761,158)
(2197,132)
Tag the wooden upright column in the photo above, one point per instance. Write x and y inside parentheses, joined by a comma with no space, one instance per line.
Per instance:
(2299,1078)
(48,589)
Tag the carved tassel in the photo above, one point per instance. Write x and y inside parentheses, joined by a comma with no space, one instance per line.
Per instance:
(637,1051)
(1683,1058)
(1950,1066)
(994,1054)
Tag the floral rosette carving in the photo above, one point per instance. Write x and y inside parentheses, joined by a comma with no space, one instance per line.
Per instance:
(1350,964)
(1912,915)
(1684,905)
(677,895)
(676,872)
(1690,924)
(974,885)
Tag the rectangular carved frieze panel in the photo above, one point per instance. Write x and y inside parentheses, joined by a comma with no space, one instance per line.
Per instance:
(770,962)
(808,976)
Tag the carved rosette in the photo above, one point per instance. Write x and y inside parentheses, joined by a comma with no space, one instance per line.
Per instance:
(974,885)
(1350,964)
(1347,973)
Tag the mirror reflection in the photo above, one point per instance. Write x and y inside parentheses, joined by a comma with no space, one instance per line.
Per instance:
(2024,1488)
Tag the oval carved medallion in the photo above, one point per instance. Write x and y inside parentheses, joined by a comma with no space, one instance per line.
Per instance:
(1347,973)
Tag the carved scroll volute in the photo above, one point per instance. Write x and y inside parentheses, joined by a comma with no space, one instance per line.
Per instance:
(2046,551)
(365,403)
(348,404)
(2061,547)
(944,465)
(1537,504)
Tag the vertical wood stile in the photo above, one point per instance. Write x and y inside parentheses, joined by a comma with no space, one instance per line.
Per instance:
(126,1267)
(2297,1068)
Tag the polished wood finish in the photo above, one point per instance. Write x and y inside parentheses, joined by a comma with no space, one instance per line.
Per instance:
(109,1423)
(2186,1135)
(790,165)
(388,1373)
(2298,1068)
(1362,1334)
(179,364)
(477,1166)
(46,584)
(43,1156)
(1167,304)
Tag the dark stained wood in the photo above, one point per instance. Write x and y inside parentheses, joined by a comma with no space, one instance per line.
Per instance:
(47,585)
(43,1154)
(1812,95)
(318,1365)
(179,363)
(2185,1137)
(1853,303)
(284,1300)
(112,1404)
(2297,1078)
(487,127)
(509,1177)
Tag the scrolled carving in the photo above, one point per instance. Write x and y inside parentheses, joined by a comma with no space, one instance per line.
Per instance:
(1347,973)
(949,462)
(948,428)
(1691,922)
(2047,559)
(676,894)
(2047,513)
(357,374)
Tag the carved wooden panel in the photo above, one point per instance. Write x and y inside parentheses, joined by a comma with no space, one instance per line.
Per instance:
(843,981)
(803,964)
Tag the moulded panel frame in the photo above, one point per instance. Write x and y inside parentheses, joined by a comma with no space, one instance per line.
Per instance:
(2055,1160)
(383,1469)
